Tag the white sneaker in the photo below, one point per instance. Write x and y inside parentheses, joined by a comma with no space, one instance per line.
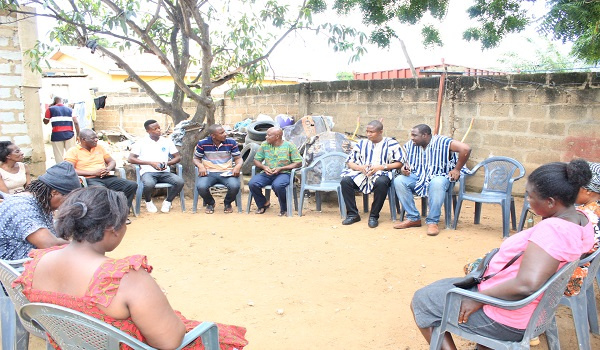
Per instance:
(150,207)
(166,206)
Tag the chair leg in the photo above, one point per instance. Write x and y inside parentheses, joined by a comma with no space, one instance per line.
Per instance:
(513,214)
(138,200)
(301,202)
(182,200)
(318,199)
(592,312)
(448,211)
(341,203)
(505,219)
(195,202)
(249,203)
(437,338)
(552,336)
(424,206)
(457,212)
(238,201)
(365,203)
(579,309)
(392,200)
(523,217)
(477,218)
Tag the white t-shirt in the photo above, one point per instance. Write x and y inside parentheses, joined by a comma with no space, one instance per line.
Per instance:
(153,151)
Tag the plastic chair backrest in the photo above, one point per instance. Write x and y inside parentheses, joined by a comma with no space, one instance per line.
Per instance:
(500,173)
(71,329)
(8,274)
(326,168)
(594,260)
(553,289)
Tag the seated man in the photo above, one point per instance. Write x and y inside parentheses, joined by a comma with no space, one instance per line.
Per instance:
(430,166)
(152,154)
(214,157)
(26,218)
(95,164)
(279,158)
(369,170)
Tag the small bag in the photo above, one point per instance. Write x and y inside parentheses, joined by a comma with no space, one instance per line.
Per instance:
(476,276)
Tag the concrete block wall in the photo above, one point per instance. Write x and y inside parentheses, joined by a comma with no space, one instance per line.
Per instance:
(20,114)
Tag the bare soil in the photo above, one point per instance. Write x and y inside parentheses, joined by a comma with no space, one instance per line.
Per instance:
(309,282)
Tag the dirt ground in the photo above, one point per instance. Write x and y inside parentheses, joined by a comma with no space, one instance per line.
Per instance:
(309,282)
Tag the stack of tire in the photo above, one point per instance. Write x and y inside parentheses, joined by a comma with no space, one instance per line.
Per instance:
(256,134)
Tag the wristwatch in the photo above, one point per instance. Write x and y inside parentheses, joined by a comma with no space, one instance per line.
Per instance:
(385,167)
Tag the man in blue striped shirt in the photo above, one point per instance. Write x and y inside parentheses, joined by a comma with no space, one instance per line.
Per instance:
(432,161)
(214,158)
(369,169)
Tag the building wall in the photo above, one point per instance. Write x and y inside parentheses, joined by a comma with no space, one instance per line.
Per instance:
(20,113)
(534,119)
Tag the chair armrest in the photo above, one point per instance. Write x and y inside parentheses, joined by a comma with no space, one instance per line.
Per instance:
(497,302)
(138,177)
(122,174)
(179,170)
(198,331)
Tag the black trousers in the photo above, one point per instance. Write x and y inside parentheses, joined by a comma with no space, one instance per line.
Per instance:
(115,183)
(380,190)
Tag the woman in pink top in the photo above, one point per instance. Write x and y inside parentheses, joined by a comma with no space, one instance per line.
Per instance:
(562,236)
(14,174)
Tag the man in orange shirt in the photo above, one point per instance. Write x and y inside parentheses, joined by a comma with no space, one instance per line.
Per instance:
(92,161)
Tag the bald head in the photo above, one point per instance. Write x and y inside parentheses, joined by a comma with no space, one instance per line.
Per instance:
(274,136)
(87,133)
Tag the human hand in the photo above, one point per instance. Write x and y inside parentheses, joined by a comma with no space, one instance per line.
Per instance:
(202,171)
(371,170)
(103,172)
(454,174)
(467,308)
(275,171)
(156,165)
(405,170)
(268,170)
(236,171)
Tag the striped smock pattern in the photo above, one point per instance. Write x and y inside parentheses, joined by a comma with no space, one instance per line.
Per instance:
(387,151)
(429,162)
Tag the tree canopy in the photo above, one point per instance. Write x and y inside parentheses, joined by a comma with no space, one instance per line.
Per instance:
(576,21)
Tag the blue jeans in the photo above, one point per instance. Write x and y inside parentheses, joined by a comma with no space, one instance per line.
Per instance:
(405,188)
(150,179)
(278,183)
(204,183)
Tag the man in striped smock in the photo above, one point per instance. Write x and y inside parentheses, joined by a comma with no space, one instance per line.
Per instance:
(370,166)
(63,122)
(432,161)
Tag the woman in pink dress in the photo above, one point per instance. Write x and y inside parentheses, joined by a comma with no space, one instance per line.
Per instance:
(120,292)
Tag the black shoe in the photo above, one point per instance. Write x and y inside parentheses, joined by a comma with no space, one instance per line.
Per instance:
(373,222)
(350,220)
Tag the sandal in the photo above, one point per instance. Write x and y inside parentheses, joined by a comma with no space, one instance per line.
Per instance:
(282,213)
(209,209)
(262,209)
(127,222)
(228,209)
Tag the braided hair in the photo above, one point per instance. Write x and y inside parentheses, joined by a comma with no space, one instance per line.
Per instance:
(42,193)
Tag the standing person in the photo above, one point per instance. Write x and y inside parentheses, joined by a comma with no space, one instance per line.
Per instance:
(369,169)
(562,236)
(94,163)
(118,291)
(14,174)
(26,219)
(430,166)
(276,158)
(64,124)
(155,154)
(214,158)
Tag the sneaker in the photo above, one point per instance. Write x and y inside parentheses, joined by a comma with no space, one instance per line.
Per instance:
(166,206)
(150,207)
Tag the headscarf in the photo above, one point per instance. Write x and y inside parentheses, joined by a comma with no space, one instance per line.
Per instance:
(594,184)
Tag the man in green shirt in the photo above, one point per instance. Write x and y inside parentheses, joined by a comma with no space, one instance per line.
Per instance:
(276,158)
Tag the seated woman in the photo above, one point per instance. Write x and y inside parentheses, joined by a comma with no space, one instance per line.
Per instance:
(26,220)
(562,236)
(14,174)
(120,292)
(589,197)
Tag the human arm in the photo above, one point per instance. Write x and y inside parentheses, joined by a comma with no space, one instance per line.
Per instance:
(536,268)
(464,151)
(47,116)
(176,159)
(198,163)
(238,166)
(3,187)
(286,167)
(43,238)
(263,167)
(150,310)
(134,159)
(76,124)
(27,176)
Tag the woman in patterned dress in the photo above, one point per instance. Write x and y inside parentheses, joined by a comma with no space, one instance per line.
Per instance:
(120,292)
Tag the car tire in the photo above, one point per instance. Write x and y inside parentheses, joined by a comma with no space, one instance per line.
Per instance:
(257,131)
(248,153)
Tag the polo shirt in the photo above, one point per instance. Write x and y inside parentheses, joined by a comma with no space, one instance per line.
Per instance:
(217,158)
(61,120)
(91,160)
(153,151)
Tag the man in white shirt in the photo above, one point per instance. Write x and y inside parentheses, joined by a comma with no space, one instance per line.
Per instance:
(155,154)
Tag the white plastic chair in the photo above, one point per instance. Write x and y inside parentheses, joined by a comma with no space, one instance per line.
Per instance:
(542,320)
(71,329)
(140,188)
(323,175)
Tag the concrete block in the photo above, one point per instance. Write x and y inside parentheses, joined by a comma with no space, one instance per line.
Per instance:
(21,117)
(529,111)
(11,81)
(7,117)
(548,128)
(385,84)
(14,128)
(583,97)
(419,95)
(22,140)
(378,109)
(6,68)
(340,85)
(5,93)
(18,69)
(466,109)
(361,85)
(325,97)
(5,138)
(426,108)
(4,41)
(542,157)
(494,110)
(495,139)
(27,151)
(369,96)
(392,96)
(567,112)
(7,105)
(350,96)
(10,55)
